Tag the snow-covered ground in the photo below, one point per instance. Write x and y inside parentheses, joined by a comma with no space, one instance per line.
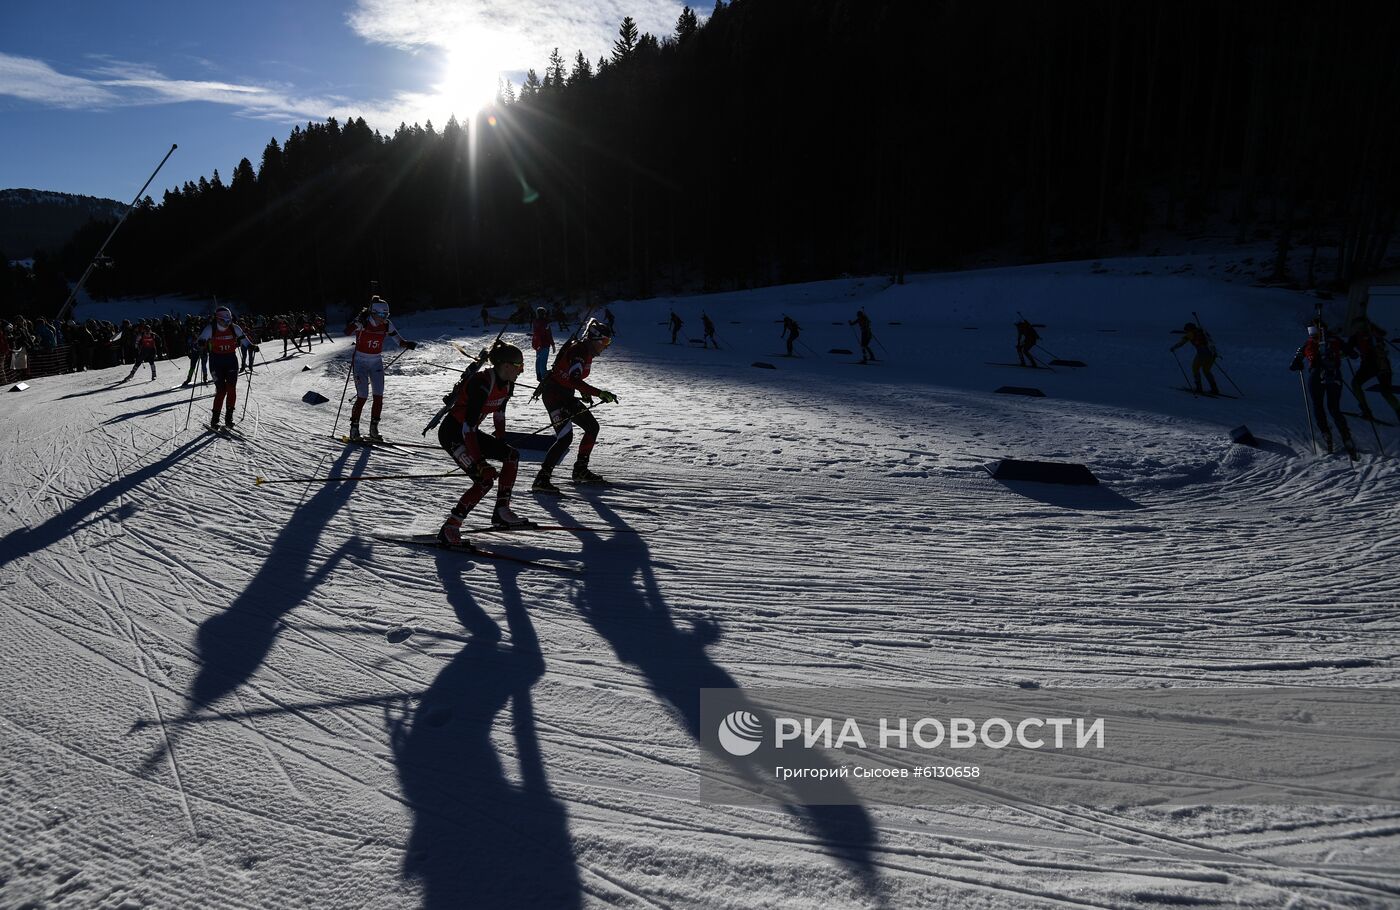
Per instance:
(216,694)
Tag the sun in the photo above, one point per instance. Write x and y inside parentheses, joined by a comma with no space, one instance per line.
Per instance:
(469,77)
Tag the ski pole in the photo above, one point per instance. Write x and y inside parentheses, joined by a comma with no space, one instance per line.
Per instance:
(555,426)
(341,406)
(1307,409)
(1184,378)
(1351,388)
(396,358)
(190,410)
(353,478)
(1227,378)
(1053,355)
(249,393)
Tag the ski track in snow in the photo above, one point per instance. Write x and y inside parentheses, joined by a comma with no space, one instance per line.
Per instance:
(209,699)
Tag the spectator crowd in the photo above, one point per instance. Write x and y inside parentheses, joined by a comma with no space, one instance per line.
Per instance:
(44,347)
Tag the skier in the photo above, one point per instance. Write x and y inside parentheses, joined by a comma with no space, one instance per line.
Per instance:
(223,338)
(284,331)
(1026,339)
(147,346)
(610,320)
(1205,355)
(199,356)
(863,321)
(791,330)
(709,331)
(676,324)
(371,329)
(569,375)
(1369,343)
(247,355)
(484,394)
(542,340)
(1322,353)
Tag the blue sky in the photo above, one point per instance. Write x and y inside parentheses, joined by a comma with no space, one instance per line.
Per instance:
(92,95)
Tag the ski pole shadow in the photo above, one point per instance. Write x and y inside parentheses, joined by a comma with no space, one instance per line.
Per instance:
(627,609)
(478,837)
(155,409)
(26,541)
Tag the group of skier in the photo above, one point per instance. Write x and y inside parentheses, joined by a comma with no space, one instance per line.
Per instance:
(473,428)
(484,393)
(1320,358)
(473,431)
(1323,354)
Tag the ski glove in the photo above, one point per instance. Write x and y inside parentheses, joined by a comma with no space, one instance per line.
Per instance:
(607,397)
(410,344)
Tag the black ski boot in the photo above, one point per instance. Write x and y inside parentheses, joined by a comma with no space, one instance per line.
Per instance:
(502,517)
(543,484)
(450,534)
(583,475)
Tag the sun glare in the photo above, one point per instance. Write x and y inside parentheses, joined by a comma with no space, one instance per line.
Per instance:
(468,78)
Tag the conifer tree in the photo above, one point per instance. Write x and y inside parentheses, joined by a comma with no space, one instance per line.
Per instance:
(626,41)
(687,24)
(582,71)
(554,76)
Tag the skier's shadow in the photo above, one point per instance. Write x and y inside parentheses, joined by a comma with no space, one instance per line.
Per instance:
(25,541)
(234,643)
(186,403)
(627,608)
(479,838)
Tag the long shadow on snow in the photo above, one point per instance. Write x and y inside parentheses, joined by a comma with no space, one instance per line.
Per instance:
(478,838)
(198,417)
(25,541)
(626,607)
(234,643)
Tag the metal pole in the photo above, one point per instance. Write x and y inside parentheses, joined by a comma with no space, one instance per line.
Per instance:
(91,265)
(1184,378)
(1307,409)
(336,426)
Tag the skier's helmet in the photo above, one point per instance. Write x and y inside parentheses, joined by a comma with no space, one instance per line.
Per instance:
(541,313)
(223,315)
(504,353)
(1189,327)
(597,330)
(379,308)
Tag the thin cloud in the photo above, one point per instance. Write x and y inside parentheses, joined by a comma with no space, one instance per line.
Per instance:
(520,33)
(36,81)
(117,84)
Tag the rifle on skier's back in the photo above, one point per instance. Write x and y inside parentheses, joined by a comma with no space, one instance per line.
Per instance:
(471,370)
